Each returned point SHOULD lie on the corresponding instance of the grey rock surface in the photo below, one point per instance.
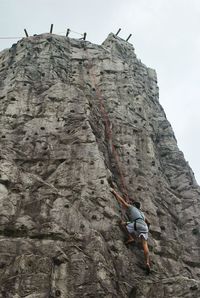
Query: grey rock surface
(74, 115)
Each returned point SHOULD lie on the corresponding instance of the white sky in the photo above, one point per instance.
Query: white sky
(166, 36)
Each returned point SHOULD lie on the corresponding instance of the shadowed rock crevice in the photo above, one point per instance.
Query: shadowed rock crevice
(73, 117)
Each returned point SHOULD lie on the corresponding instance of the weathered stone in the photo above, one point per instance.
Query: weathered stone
(73, 117)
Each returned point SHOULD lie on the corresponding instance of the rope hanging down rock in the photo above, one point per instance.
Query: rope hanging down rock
(105, 117)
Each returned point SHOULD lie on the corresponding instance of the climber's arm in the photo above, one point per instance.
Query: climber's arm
(119, 198)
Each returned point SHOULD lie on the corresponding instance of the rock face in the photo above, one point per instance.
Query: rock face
(75, 115)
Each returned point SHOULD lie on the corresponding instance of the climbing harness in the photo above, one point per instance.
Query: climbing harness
(135, 226)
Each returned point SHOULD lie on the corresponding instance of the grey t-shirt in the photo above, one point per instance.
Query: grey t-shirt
(134, 213)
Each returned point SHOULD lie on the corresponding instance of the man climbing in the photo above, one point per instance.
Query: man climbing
(137, 227)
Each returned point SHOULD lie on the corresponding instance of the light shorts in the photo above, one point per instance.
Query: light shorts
(141, 230)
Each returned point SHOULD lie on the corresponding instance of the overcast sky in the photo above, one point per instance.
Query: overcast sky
(166, 37)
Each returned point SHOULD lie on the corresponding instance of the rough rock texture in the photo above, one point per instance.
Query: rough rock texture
(73, 116)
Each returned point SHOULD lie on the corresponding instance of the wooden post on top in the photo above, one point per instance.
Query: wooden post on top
(128, 37)
(26, 32)
(84, 36)
(68, 31)
(118, 31)
(51, 29)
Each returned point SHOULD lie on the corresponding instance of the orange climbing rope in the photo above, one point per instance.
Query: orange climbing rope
(107, 125)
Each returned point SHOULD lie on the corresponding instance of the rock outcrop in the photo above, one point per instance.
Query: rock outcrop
(75, 115)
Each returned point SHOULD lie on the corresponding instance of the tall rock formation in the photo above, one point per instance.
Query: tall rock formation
(75, 115)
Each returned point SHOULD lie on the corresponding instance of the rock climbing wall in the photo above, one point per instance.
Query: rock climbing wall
(74, 116)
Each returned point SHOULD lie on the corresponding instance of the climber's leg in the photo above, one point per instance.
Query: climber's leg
(131, 239)
(131, 232)
(127, 229)
(146, 253)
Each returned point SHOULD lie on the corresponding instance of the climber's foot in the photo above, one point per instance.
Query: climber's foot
(129, 241)
(122, 222)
